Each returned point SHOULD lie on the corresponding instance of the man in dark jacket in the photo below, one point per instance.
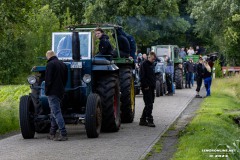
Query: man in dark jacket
(105, 48)
(169, 76)
(189, 72)
(132, 44)
(123, 45)
(147, 78)
(55, 81)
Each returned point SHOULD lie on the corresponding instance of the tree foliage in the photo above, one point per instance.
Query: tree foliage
(147, 20)
(219, 19)
(25, 35)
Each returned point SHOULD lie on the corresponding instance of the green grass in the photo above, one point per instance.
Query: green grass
(213, 125)
(9, 104)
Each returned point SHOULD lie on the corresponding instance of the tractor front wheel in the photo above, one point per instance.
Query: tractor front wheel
(26, 115)
(93, 116)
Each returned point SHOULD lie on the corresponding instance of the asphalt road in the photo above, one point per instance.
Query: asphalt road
(132, 142)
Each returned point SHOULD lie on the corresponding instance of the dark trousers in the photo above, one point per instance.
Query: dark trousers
(169, 83)
(148, 98)
(199, 83)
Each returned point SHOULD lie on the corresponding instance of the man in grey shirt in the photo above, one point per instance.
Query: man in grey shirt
(182, 53)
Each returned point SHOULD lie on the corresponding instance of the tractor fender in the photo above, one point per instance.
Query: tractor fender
(110, 67)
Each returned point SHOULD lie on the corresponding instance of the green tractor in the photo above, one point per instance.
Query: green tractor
(172, 51)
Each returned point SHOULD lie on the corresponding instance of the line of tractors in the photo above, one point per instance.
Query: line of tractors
(100, 90)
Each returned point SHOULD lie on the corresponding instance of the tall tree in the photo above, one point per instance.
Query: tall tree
(13, 17)
(39, 34)
(75, 8)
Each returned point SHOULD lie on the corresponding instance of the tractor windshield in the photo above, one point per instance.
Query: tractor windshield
(62, 45)
(162, 52)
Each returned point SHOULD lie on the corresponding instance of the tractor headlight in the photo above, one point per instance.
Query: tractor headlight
(31, 79)
(87, 78)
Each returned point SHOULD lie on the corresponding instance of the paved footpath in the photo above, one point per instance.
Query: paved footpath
(132, 142)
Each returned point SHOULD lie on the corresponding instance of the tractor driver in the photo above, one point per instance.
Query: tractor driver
(105, 47)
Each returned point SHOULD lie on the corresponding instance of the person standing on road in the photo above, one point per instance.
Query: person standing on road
(189, 73)
(105, 47)
(55, 81)
(199, 75)
(169, 76)
(148, 82)
(207, 76)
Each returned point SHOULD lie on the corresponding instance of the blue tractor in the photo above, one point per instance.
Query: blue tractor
(92, 93)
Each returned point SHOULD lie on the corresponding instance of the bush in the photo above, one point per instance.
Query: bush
(218, 69)
(9, 103)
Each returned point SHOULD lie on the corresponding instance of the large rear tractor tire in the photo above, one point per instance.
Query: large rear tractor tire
(93, 116)
(127, 95)
(108, 90)
(26, 115)
(179, 78)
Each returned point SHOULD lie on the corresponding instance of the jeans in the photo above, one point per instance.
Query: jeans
(207, 83)
(188, 79)
(192, 79)
(57, 121)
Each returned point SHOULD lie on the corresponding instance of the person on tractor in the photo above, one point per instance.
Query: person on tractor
(55, 81)
(123, 44)
(148, 82)
(182, 53)
(105, 47)
(132, 44)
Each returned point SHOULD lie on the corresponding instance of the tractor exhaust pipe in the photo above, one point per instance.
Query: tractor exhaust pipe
(75, 47)
(76, 76)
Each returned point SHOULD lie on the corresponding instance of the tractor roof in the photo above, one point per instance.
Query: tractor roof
(92, 26)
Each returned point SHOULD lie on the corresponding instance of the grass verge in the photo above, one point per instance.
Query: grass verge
(9, 103)
(213, 133)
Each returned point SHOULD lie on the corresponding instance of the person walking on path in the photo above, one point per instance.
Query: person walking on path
(55, 81)
(199, 76)
(147, 78)
(207, 76)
